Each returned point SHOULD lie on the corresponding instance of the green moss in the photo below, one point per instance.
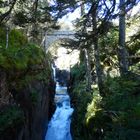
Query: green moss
(17, 38)
(21, 58)
(135, 68)
(20, 54)
(24, 64)
(44, 75)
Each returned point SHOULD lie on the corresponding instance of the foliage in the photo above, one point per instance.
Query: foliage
(94, 106)
(16, 38)
(108, 52)
(14, 58)
(35, 15)
(19, 53)
(44, 75)
(25, 65)
(80, 99)
(134, 51)
(23, 62)
(6, 8)
(78, 72)
(40, 75)
(2, 36)
(117, 115)
(28, 74)
(136, 68)
(10, 117)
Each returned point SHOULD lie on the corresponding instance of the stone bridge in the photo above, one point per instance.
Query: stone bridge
(56, 35)
(64, 60)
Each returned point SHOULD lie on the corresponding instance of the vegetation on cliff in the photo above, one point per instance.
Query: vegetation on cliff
(105, 83)
(22, 67)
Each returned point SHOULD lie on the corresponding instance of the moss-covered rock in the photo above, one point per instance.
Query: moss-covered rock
(29, 87)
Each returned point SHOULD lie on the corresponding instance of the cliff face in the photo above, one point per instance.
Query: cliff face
(26, 88)
(37, 109)
(4, 94)
(33, 102)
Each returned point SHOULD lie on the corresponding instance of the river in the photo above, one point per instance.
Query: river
(59, 125)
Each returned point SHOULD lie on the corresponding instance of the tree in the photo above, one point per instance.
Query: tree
(123, 57)
(96, 47)
(124, 7)
(94, 19)
(99, 21)
(87, 56)
(34, 16)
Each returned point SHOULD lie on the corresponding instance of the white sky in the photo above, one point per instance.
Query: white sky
(135, 9)
(69, 18)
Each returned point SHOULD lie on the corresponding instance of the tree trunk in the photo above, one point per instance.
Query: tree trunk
(122, 52)
(95, 46)
(34, 24)
(88, 68)
(99, 72)
(7, 37)
(87, 57)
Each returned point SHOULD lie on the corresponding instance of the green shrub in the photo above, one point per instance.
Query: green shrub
(20, 54)
(117, 115)
(80, 99)
(21, 58)
(78, 72)
(16, 38)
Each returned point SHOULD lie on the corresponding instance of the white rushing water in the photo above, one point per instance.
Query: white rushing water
(59, 125)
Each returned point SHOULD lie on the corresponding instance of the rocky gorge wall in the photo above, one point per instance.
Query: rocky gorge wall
(25, 107)
(26, 87)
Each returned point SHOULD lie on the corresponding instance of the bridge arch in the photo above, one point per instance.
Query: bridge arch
(57, 35)
(67, 57)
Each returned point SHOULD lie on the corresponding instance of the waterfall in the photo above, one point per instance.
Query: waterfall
(59, 125)
(54, 72)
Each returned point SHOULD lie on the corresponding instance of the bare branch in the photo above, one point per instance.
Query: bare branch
(3, 16)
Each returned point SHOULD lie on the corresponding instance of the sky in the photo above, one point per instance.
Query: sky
(69, 18)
